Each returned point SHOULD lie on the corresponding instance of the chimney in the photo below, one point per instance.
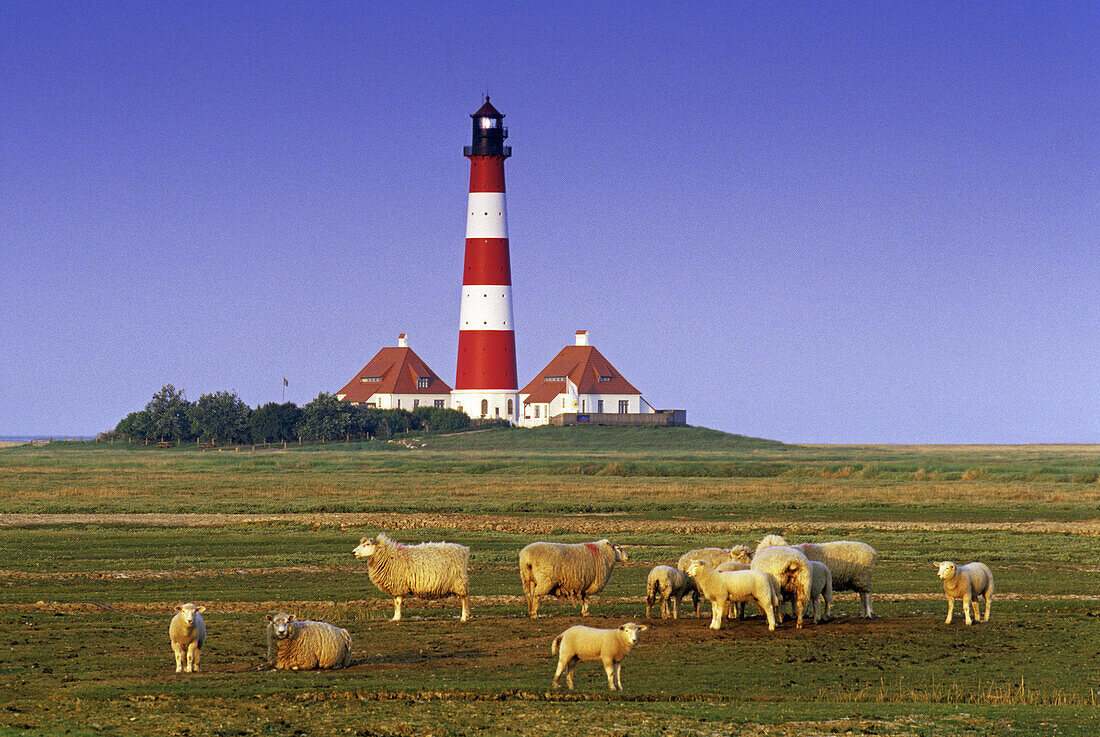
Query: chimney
(582, 337)
(402, 341)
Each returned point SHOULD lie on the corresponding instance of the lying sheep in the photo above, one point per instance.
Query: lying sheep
(714, 557)
(821, 589)
(301, 644)
(791, 571)
(737, 586)
(588, 643)
(426, 571)
(669, 585)
(566, 570)
(188, 634)
(968, 583)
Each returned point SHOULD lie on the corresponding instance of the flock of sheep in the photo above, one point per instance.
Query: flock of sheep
(775, 573)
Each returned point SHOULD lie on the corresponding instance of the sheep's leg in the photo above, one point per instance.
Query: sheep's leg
(569, 668)
(396, 609)
(177, 650)
(950, 609)
(533, 605)
(619, 675)
(648, 604)
(696, 600)
(609, 669)
(966, 607)
(675, 607)
(562, 664)
(717, 614)
(816, 603)
(799, 605)
(465, 601)
(977, 610)
(193, 658)
(865, 600)
(584, 605)
(988, 601)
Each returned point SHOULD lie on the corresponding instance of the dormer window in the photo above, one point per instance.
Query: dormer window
(554, 378)
(370, 379)
(422, 382)
(605, 378)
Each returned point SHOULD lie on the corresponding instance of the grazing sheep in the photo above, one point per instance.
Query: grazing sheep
(426, 571)
(715, 557)
(669, 584)
(851, 564)
(821, 588)
(968, 583)
(188, 634)
(738, 586)
(791, 570)
(588, 643)
(301, 644)
(737, 611)
(566, 570)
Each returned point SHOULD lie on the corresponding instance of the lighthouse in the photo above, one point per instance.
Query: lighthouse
(485, 380)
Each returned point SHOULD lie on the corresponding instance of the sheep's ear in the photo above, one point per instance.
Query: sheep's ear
(270, 618)
(643, 627)
(179, 607)
(937, 563)
(290, 617)
(363, 540)
(202, 609)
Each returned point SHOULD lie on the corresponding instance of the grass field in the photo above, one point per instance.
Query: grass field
(86, 530)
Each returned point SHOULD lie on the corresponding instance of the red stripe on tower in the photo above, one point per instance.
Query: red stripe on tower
(485, 381)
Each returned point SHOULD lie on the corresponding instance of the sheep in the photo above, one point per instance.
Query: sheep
(188, 634)
(588, 643)
(791, 570)
(426, 571)
(738, 609)
(566, 570)
(738, 586)
(301, 644)
(821, 587)
(851, 564)
(669, 584)
(967, 583)
(715, 557)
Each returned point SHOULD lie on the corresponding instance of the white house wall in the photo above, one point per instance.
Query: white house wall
(587, 404)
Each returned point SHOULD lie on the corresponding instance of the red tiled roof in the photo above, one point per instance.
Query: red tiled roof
(398, 369)
(584, 365)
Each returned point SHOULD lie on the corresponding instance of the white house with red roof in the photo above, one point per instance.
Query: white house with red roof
(397, 378)
(578, 380)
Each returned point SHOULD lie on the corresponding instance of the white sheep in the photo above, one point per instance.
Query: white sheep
(851, 564)
(588, 643)
(737, 611)
(302, 644)
(738, 586)
(567, 570)
(968, 583)
(715, 557)
(821, 589)
(791, 570)
(426, 571)
(667, 584)
(188, 634)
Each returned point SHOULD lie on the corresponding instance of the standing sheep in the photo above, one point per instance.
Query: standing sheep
(737, 611)
(188, 634)
(566, 570)
(791, 570)
(588, 643)
(426, 571)
(737, 586)
(968, 583)
(669, 585)
(714, 557)
(821, 587)
(301, 644)
(851, 564)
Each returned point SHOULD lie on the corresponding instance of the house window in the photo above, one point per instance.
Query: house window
(484, 407)
(399, 403)
(605, 378)
(536, 411)
(372, 405)
(554, 378)
(583, 402)
(624, 406)
(422, 382)
(368, 379)
(439, 403)
(496, 411)
(599, 406)
(416, 403)
(510, 405)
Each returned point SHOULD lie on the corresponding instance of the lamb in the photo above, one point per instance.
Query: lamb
(714, 557)
(588, 643)
(301, 644)
(738, 609)
(821, 588)
(669, 584)
(791, 570)
(967, 583)
(566, 570)
(188, 634)
(738, 586)
(426, 571)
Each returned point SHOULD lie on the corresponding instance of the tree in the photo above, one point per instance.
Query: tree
(221, 416)
(134, 426)
(326, 418)
(168, 415)
(274, 422)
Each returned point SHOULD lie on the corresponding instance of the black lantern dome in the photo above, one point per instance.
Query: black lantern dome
(489, 133)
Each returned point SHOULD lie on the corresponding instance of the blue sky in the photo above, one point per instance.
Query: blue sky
(815, 222)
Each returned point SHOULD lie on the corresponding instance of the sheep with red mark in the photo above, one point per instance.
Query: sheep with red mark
(567, 570)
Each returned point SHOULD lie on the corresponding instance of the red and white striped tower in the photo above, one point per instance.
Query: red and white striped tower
(485, 382)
